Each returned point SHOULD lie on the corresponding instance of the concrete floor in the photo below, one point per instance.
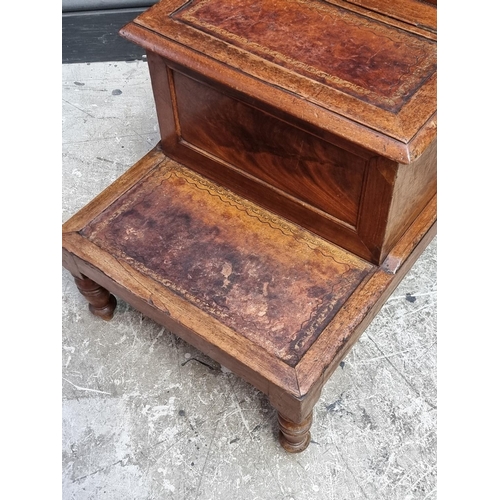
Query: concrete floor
(146, 416)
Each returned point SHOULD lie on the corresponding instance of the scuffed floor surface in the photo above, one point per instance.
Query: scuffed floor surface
(146, 416)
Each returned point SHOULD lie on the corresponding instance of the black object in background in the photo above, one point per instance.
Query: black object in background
(90, 30)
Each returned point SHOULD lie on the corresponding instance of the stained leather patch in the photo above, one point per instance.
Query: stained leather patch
(267, 279)
(379, 64)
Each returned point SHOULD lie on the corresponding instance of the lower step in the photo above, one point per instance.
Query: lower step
(272, 302)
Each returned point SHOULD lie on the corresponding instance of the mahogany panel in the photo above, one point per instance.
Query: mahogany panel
(312, 170)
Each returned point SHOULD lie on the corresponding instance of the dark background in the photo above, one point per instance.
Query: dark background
(90, 30)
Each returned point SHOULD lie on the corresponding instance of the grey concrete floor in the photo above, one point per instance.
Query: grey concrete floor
(146, 416)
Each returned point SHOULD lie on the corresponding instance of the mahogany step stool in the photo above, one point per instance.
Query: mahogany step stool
(293, 187)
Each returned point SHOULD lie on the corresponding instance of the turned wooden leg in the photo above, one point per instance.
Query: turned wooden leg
(101, 302)
(294, 437)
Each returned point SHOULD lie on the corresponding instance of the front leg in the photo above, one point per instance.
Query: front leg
(101, 302)
(294, 437)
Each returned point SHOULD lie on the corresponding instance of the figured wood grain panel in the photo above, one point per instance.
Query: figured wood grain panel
(312, 170)
(272, 282)
(374, 62)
